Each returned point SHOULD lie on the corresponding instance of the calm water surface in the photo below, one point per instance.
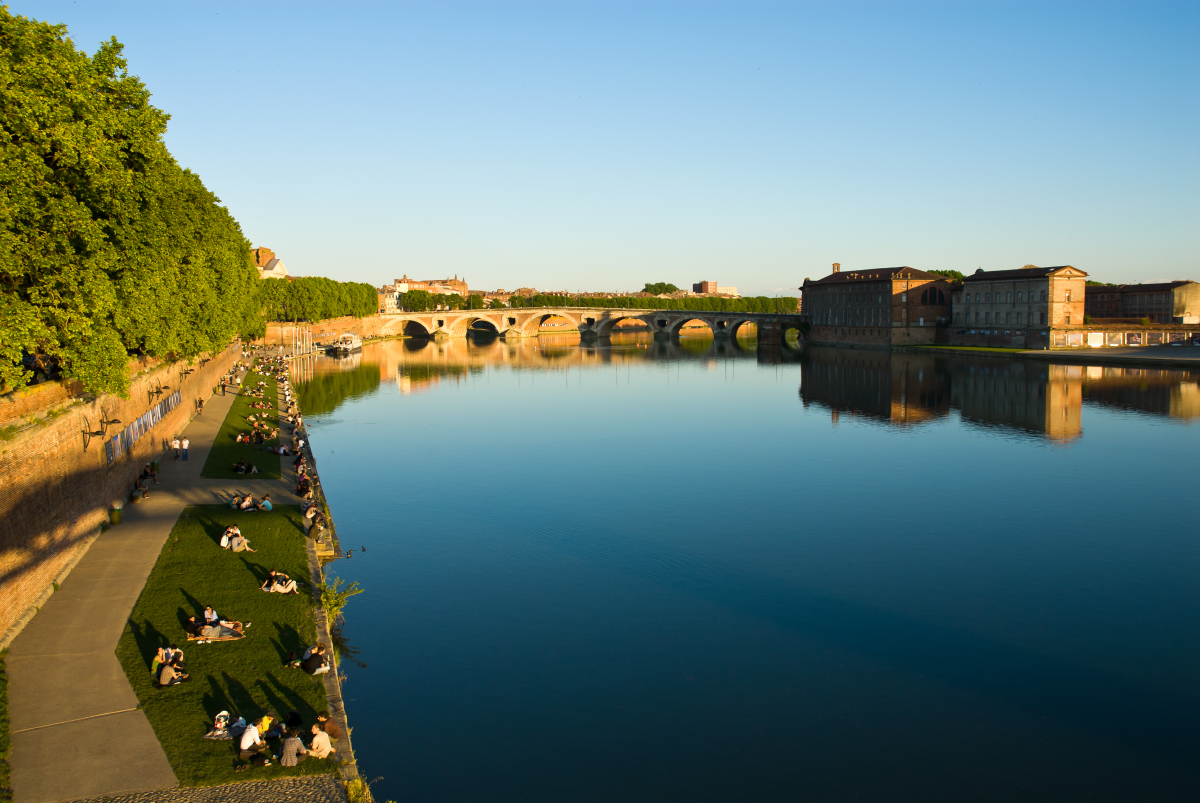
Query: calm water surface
(698, 572)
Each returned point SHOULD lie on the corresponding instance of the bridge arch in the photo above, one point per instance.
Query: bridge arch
(534, 323)
(606, 326)
(463, 323)
(676, 327)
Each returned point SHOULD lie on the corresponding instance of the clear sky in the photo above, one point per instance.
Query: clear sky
(600, 146)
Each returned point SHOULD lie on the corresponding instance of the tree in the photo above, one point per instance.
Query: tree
(950, 274)
(659, 288)
(496, 304)
(108, 248)
(475, 301)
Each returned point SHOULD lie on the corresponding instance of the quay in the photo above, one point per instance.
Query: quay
(77, 729)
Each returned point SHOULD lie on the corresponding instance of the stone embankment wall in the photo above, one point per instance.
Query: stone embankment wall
(371, 326)
(54, 493)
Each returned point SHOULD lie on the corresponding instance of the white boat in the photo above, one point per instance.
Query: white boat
(347, 344)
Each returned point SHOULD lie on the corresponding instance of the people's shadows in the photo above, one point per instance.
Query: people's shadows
(259, 571)
(197, 606)
(289, 641)
(240, 699)
(148, 640)
(216, 700)
(283, 698)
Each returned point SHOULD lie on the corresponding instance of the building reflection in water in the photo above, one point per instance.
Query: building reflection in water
(900, 389)
(1031, 396)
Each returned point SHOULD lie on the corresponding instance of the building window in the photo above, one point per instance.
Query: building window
(987, 297)
(1008, 297)
(1068, 319)
(977, 317)
(1043, 299)
(1042, 317)
(1019, 297)
(904, 296)
(1068, 297)
(958, 317)
(1006, 317)
(977, 298)
(1018, 319)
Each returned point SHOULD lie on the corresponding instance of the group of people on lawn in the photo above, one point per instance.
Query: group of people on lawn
(253, 746)
(167, 668)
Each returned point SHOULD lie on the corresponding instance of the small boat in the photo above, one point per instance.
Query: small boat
(347, 344)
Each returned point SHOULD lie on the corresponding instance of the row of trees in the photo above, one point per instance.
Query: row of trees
(108, 248)
(315, 298)
(785, 305)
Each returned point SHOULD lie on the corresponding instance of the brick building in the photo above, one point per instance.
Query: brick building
(1167, 302)
(269, 266)
(704, 287)
(1017, 308)
(882, 306)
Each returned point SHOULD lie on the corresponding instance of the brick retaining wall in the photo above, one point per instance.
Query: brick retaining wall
(54, 494)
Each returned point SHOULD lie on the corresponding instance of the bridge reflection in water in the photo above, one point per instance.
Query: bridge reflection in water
(1031, 397)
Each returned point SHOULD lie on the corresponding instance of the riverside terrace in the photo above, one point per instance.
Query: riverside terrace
(590, 321)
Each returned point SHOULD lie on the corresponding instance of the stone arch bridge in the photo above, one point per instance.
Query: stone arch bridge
(592, 322)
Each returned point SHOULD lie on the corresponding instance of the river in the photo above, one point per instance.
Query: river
(701, 572)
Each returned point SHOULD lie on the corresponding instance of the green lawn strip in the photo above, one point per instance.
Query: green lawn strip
(5, 776)
(247, 677)
(226, 451)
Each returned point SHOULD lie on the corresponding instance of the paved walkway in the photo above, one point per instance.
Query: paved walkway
(76, 729)
(322, 789)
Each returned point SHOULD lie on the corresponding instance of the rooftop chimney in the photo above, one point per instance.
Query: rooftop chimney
(837, 266)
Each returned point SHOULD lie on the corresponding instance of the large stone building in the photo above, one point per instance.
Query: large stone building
(880, 307)
(1167, 302)
(269, 266)
(1017, 308)
(445, 287)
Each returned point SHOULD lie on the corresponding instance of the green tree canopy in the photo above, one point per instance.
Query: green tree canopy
(659, 288)
(950, 274)
(315, 298)
(107, 246)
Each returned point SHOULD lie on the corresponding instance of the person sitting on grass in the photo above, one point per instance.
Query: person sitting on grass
(238, 543)
(329, 725)
(321, 746)
(247, 503)
(239, 467)
(235, 502)
(279, 583)
(316, 663)
(292, 752)
(227, 536)
(172, 674)
(160, 658)
(265, 504)
(252, 744)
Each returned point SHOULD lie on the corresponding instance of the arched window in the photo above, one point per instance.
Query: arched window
(987, 297)
(924, 296)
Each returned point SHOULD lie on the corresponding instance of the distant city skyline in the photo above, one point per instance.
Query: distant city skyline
(599, 147)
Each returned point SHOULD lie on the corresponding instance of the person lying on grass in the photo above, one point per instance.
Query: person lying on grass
(279, 583)
(219, 631)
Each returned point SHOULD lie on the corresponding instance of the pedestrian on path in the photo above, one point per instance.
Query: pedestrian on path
(175, 446)
(185, 447)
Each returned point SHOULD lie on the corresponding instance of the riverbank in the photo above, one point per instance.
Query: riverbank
(1145, 356)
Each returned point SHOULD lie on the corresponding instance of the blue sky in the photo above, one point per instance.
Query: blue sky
(599, 146)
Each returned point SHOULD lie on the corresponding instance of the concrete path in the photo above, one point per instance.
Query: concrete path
(77, 731)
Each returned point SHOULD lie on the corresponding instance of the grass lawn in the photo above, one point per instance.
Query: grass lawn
(226, 450)
(247, 677)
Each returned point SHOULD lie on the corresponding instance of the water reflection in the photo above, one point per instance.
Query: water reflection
(1029, 396)
(900, 389)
